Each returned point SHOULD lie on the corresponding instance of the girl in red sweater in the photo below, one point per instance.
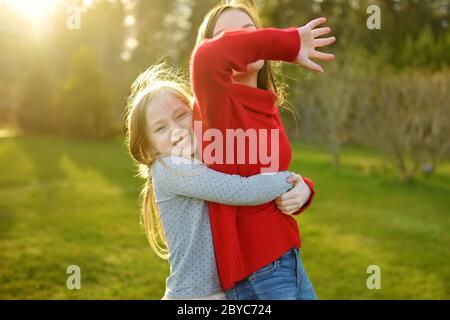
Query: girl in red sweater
(256, 247)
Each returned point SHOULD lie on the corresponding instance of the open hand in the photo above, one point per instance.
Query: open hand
(309, 43)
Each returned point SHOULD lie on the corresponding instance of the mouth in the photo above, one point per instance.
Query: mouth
(181, 140)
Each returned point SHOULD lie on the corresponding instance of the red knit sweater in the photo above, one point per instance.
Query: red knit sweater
(245, 238)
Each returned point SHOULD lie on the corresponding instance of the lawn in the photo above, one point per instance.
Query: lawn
(67, 202)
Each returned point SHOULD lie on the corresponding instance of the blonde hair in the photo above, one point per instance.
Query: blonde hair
(266, 79)
(150, 83)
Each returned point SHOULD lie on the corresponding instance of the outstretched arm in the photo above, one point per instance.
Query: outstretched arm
(213, 61)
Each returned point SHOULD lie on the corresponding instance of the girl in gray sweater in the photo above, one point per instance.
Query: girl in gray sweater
(175, 213)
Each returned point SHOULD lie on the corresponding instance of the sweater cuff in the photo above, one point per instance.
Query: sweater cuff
(308, 203)
(295, 41)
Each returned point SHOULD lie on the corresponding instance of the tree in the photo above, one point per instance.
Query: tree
(84, 104)
(406, 118)
(34, 112)
(333, 100)
(151, 32)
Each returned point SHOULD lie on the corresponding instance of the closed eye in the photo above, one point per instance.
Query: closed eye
(183, 115)
(158, 129)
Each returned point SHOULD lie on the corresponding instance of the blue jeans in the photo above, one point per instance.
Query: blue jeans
(283, 279)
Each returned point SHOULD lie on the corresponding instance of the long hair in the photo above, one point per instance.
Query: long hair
(149, 84)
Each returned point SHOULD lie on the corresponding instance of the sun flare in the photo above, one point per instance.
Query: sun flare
(35, 11)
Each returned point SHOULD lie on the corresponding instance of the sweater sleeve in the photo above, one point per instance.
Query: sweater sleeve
(213, 62)
(182, 176)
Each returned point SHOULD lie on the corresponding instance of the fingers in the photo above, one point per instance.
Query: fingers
(294, 178)
(300, 191)
(312, 66)
(322, 56)
(291, 209)
(320, 32)
(316, 22)
(323, 42)
(291, 194)
(290, 203)
(310, 42)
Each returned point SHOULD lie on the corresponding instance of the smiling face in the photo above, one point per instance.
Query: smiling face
(236, 19)
(170, 125)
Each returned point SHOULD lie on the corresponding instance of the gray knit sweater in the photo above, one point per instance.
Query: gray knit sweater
(182, 186)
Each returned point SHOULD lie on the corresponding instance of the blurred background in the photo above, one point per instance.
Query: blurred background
(372, 133)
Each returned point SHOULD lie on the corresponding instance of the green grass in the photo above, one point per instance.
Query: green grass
(67, 202)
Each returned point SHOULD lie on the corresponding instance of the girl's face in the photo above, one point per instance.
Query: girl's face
(235, 19)
(170, 125)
